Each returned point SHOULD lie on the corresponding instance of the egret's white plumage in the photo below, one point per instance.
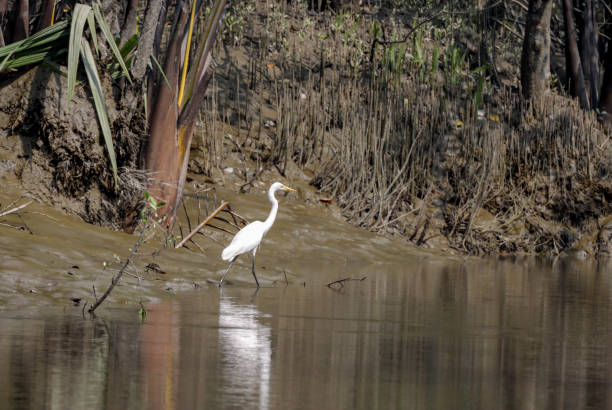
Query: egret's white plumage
(249, 237)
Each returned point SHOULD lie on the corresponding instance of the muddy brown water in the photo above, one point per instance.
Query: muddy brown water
(422, 330)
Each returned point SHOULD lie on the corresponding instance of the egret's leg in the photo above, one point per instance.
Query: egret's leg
(253, 270)
(227, 270)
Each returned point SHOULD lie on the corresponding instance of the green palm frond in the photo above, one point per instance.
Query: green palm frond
(34, 49)
(98, 95)
(50, 43)
(110, 39)
(79, 17)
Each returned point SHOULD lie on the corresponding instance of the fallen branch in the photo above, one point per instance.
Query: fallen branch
(200, 226)
(341, 281)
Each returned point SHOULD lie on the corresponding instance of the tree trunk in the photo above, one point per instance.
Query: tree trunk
(22, 22)
(605, 98)
(147, 36)
(575, 75)
(3, 18)
(589, 53)
(129, 27)
(46, 13)
(535, 59)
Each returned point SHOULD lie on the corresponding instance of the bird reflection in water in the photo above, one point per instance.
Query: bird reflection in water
(246, 353)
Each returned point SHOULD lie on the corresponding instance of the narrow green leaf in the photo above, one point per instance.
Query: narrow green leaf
(74, 44)
(96, 90)
(34, 56)
(33, 44)
(110, 40)
(6, 60)
(45, 36)
(125, 51)
(161, 70)
(92, 29)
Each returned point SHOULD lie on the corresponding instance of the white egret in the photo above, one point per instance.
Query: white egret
(248, 238)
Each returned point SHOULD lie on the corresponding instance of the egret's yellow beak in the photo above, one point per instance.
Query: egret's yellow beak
(286, 188)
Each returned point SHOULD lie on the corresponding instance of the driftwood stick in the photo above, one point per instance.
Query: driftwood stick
(12, 211)
(200, 226)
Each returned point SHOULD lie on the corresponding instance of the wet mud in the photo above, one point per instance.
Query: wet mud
(57, 260)
(57, 152)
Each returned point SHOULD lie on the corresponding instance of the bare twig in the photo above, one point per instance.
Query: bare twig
(227, 222)
(212, 238)
(25, 225)
(200, 226)
(197, 245)
(13, 210)
(186, 214)
(223, 229)
(117, 277)
(521, 4)
(341, 281)
(13, 203)
(412, 29)
(19, 228)
(38, 213)
(234, 215)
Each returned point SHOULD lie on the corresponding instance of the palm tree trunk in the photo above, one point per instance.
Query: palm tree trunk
(162, 155)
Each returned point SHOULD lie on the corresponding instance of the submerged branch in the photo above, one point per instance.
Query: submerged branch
(341, 281)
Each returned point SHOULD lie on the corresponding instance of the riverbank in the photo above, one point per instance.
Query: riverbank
(57, 260)
(421, 140)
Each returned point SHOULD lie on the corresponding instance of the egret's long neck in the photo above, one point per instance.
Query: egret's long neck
(270, 220)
